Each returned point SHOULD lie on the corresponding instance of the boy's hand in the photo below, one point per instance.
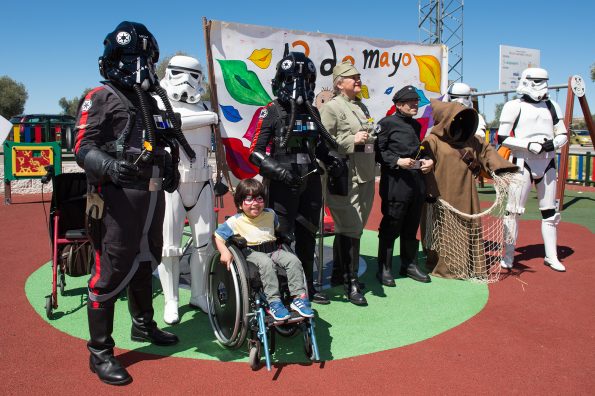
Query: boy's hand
(226, 259)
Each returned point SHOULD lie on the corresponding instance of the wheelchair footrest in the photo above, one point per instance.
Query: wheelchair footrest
(76, 234)
(295, 318)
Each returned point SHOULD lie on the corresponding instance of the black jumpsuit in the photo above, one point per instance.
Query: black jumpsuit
(305, 202)
(402, 191)
(102, 118)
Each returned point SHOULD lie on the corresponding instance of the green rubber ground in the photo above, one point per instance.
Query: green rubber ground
(395, 317)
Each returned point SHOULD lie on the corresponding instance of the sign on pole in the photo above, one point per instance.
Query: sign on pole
(243, 59)
(513, 60)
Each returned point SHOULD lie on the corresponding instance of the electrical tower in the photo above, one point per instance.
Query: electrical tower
(441, 22)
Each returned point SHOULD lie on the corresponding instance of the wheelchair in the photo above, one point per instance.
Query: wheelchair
(72, 253)
(237, 310)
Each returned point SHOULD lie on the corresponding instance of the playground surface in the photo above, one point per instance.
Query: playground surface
(529, 333)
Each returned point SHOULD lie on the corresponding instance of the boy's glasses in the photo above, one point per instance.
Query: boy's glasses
(250, 199)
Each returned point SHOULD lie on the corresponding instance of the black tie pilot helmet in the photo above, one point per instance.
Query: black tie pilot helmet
(129, 57)
(295, 79)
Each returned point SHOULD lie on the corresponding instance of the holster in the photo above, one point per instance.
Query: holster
(339, 185)
(94, 213)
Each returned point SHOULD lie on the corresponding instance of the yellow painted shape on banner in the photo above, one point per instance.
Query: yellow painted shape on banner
(262, 57)
(429, 72)
(364, 93)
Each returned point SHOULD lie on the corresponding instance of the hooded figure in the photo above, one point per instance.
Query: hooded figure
(458, 158)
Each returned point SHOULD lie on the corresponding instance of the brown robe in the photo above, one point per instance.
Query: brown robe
(451, 138)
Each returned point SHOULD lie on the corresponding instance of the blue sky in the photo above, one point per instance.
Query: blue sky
(52, 46)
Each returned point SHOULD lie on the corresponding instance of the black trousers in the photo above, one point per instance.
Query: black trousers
(401, 216)
(305, 202)
(119, 237)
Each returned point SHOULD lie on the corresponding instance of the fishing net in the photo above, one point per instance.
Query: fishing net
(471, 245)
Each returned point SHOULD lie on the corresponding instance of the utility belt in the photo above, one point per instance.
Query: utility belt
(145, 181)
(298, 158)
(265, 247)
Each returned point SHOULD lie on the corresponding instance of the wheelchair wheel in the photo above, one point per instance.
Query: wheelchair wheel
(61, 282)
(228, 301)
(254, 355)
(308, 347)
(287, 330)
(49, 307)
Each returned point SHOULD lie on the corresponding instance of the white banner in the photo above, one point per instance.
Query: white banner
(244, 58)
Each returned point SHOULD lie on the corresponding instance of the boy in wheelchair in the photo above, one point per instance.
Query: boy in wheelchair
(256, 224)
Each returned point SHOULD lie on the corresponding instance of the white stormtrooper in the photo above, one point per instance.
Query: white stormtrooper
(461, 93)
(194, 198)
(532, 128)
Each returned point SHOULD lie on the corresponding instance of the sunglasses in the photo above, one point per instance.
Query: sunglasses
(250, 199)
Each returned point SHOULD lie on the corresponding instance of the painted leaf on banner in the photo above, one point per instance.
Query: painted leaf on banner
(230, 113)
(429, 72)
(423, 100)
(424, 122)
(237, 155)
(388, 90)
(249, 135)
(242, 84)
(364, 93)
(261, 57)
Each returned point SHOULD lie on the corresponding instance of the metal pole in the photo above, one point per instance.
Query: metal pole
(321, 246)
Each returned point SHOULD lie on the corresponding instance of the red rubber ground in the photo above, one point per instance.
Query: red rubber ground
(536, 335)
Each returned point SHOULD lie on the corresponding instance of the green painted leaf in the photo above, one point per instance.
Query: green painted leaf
(242, 84)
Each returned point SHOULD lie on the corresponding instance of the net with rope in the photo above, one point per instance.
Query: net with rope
(471, 245)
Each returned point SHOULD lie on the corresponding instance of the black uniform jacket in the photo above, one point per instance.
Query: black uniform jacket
(398, 137)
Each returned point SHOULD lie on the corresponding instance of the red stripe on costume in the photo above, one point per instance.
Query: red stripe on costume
(95, 278)
(83, 120)
(258, 126)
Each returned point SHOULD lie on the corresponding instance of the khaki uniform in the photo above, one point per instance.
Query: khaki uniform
(343, 119)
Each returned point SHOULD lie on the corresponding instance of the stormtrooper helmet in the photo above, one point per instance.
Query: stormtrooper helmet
(533, 83)
(295, 79)
(129, 56)
(183, 79)
(460, 93)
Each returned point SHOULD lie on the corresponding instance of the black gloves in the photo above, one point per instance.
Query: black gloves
(171, 175)
(548, 145)
(122, 172)
(100, 167)
(290, 178)
(271, 169)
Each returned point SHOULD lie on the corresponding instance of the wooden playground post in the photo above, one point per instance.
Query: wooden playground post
(576, 86)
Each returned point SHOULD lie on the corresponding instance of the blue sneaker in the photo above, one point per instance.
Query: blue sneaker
(278, 311)
(302, 306)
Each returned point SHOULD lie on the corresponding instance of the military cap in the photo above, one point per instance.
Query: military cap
(406, 93)
(344, 69)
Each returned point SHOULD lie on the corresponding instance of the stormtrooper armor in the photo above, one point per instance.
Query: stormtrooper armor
(461, 93)
(194, 198)
(538, 132)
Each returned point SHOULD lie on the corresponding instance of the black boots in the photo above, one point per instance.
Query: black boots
(101, 345)
(350, 254)
(409, 261)
(337, 275)
(317, 297)
(144, 327)
(107, 367)
(385, 262)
